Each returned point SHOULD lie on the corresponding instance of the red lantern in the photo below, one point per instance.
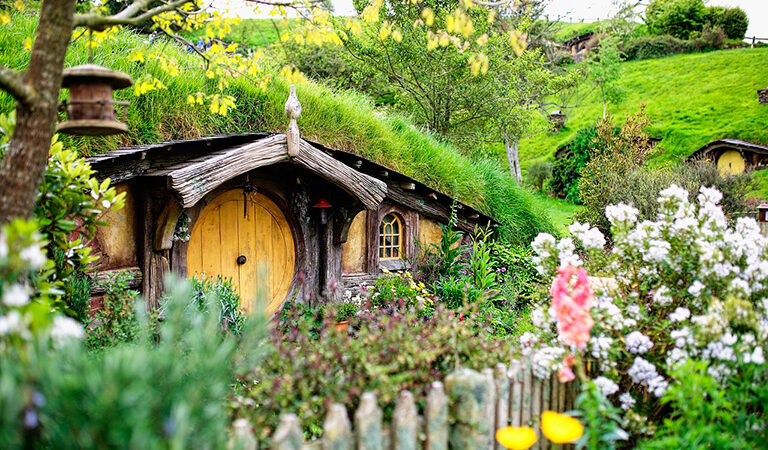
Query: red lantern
(323, 205)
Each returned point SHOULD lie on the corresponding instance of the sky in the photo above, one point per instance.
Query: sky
(571, 10)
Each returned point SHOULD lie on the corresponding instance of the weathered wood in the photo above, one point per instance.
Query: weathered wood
(502, 399)
(546, 404)
(516, 393)
(405, 422)
(432, 195)
(408, 186)
(166, 224)
(436, 418)
(242, 436)
(195, 178)
(368, 190)
(293, 111)
(561, 397)
(288, 435)
(133, 279)
(368, 427)
(337, 431)
(468, 392)
(490, 408)
(525, 415)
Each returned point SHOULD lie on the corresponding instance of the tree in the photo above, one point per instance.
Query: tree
(678, 18)
(604, 69)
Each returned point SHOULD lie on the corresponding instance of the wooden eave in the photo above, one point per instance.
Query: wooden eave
(729, 144)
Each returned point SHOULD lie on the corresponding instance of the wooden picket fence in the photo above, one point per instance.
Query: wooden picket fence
(464, 413)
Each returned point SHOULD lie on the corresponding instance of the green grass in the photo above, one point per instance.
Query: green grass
(691, 99)
(251, 33)
(343, 120)
(561, 212)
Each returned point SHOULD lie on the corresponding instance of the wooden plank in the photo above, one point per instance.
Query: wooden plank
(502, 400)
(288, 435)
(405, 422)
(367, 189)
(527, 400)
(489, 415)
(368, 427)
(468, 393)
(546, 393)
(436, 418)
(230, 215)
(516, 393)
(337, 431)
(133, 281)
(536, 404)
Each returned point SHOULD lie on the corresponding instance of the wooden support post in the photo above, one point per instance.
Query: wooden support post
(436, 418)
(525, 408)
(490, 408)
(502, 400)
(405, 422)
(368, 426)
(516, 393)
(468, 392)
(337, 431)
(288, 435)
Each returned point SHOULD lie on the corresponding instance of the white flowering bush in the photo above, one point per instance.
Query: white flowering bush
(684, 286)
(26, 295)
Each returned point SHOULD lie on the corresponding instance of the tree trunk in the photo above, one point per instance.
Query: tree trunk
(510, 144)
(25, 160)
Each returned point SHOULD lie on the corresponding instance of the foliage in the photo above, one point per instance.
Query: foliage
(207, 289)
(708, 414)
(115, 320)
(733, 21)
(602, 420)
(679, 18)
(654, 46)
(707, 39)
(342, 120)
(150, 393)
(520, 282)
(566, 171)
(401, 290)
(616, 155)
(683, 286)
(345, 311)
(538, 174)
(604, 70)
(384, 354)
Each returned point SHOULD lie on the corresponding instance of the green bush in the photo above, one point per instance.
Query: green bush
(707, 39)
(651, 47)
(538, 173)
(164, 393)
(383, 353)
(220, 289)
(115, 321)
(678, 18)
(733, 21)
(566, 171)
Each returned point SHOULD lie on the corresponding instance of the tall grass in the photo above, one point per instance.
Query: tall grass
(338, 119)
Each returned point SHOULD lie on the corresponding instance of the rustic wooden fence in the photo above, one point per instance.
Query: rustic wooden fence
(463, 413)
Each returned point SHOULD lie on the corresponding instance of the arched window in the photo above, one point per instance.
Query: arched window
(390, 238)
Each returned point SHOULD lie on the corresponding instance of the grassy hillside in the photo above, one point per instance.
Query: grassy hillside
(692, 99)
(341, 120)
(252, 33)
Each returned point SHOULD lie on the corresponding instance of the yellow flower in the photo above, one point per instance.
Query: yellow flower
(516, 438)
(560, 428)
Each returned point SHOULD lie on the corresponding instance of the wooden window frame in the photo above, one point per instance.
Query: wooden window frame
(399, 234)
(409, 221)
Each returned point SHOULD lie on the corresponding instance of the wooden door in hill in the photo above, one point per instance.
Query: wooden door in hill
(248, 241)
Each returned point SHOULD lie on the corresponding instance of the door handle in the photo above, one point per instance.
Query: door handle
(241, 260)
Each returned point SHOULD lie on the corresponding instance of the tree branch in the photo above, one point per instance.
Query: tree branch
(128, 16)
(12, 82)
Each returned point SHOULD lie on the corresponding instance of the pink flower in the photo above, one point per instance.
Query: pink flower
(565, 374)
(572, 301)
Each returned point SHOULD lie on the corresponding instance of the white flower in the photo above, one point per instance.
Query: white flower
(621, 213)
(627, 402)
(606, 386)
(674, 194)
(542, 244)
(3, 246)
(680, 314)
(756, 357)
(680, 336)
(105, 204)
(540, 318)
(33, 256)
(600, 346)
(591, 238)
(638, 343)
(662, 296)
(658, 385)
(642, 370)
(657, 251)
(65, 328)
(16, 295)
(709, 195)
(566, 250)
(545, 360)
(10, 323)
(696, 288)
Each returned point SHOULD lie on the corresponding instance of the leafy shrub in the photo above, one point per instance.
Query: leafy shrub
(566, 171)
(678, 18)
(538, 173)
(115, 321)
(345, 311)
(402, 290)
(149, 393)
(220, 289)
(520, 282)
(650, 47)
(707, 39)
(385, 354)
(684, 286)
(733, 21)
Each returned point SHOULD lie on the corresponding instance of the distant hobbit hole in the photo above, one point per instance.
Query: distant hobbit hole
(251, 244)
(390, 238)
(731, 163)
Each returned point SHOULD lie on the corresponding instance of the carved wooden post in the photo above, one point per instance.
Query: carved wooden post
(516, 392)
(368, 423)
(405, 423)
(436, 418)
(242, 436)
(502, 400)
(293, 110)
(288, 435)
(337, 431)
(469, 395)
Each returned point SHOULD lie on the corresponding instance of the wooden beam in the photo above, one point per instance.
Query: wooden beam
(133, 281)
(166, 225)
(367, 189)
(192, 180)
(408, 186)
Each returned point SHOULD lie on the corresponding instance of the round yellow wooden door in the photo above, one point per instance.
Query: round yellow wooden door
(247, 241)
(731, 163)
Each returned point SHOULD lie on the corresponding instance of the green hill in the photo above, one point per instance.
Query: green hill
(342, 120)
(691, 99)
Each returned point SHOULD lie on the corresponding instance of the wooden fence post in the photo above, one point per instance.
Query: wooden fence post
(337, 431)
(516, 392)
(405, 423)
(502, 400)
(288, 435)
(368, 423)
(468, 392)
(436, 418)
(490, 406)
(525, 415)
(242, 436)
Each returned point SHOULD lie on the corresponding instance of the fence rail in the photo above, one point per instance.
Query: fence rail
(463, 413)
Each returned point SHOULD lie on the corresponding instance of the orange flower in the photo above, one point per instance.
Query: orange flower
(560, 428)
(516, 438)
